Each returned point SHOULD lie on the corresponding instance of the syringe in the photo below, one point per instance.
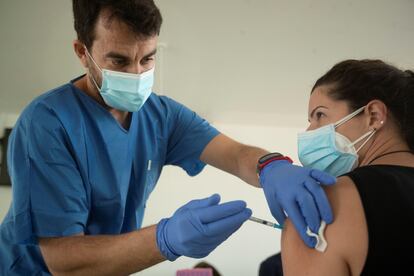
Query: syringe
(265, 222)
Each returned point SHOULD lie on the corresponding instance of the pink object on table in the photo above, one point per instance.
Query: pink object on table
(195, 272)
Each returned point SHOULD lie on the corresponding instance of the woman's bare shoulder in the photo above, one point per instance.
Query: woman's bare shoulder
(347, 238)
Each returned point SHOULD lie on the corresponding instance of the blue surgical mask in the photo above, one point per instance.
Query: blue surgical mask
(124, 91)
(327, 150)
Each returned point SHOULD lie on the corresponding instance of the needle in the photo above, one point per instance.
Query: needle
(265, 222)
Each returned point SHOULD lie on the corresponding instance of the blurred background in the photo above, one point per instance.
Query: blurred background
(247, 66)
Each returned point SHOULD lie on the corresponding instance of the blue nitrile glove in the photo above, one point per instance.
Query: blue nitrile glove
(199, 226)
(297, 191)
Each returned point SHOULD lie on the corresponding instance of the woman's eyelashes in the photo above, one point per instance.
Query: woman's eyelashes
(319, 115)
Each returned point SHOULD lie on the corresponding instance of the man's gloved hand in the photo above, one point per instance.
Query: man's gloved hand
(199, 226)
(297, 191)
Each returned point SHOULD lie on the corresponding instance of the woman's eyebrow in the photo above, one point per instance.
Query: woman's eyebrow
(313, 111)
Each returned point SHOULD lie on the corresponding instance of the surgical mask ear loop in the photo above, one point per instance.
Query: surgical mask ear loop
(369, 134)
(349, 117)
(94, 62)
(97, 66)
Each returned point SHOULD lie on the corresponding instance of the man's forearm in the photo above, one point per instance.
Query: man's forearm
(247, 162)
(233, 157)
(103, 254)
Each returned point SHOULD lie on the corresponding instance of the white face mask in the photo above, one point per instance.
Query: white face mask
(124, 91)
(327, 150)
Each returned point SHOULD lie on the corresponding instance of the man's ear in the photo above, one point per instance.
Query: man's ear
(80, 51)
(377, 114)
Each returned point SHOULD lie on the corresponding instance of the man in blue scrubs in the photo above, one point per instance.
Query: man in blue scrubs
(84, 157)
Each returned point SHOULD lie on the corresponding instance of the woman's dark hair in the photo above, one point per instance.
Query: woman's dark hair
(142, 16)
(360, 81)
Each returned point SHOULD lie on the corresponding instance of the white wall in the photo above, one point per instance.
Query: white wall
(234, 61)
(6, 120)
(5, 198)
(246, 65)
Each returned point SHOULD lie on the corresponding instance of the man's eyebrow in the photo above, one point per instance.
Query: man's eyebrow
(153, 52)
(116, 56)
(121, 56)
(313, 111)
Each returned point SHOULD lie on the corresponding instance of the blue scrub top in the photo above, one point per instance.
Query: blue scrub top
(75, 169)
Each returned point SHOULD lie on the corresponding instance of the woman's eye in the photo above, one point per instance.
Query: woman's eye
(319, 115)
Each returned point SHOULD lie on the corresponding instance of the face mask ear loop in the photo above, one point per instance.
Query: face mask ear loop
(97, 86)
(97, 66)
(349, 117)
(369, 134)
(89, 55)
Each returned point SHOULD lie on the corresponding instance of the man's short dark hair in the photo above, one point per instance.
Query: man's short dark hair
(142, 16)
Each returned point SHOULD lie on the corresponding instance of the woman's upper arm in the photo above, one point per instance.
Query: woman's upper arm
(347, 238)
